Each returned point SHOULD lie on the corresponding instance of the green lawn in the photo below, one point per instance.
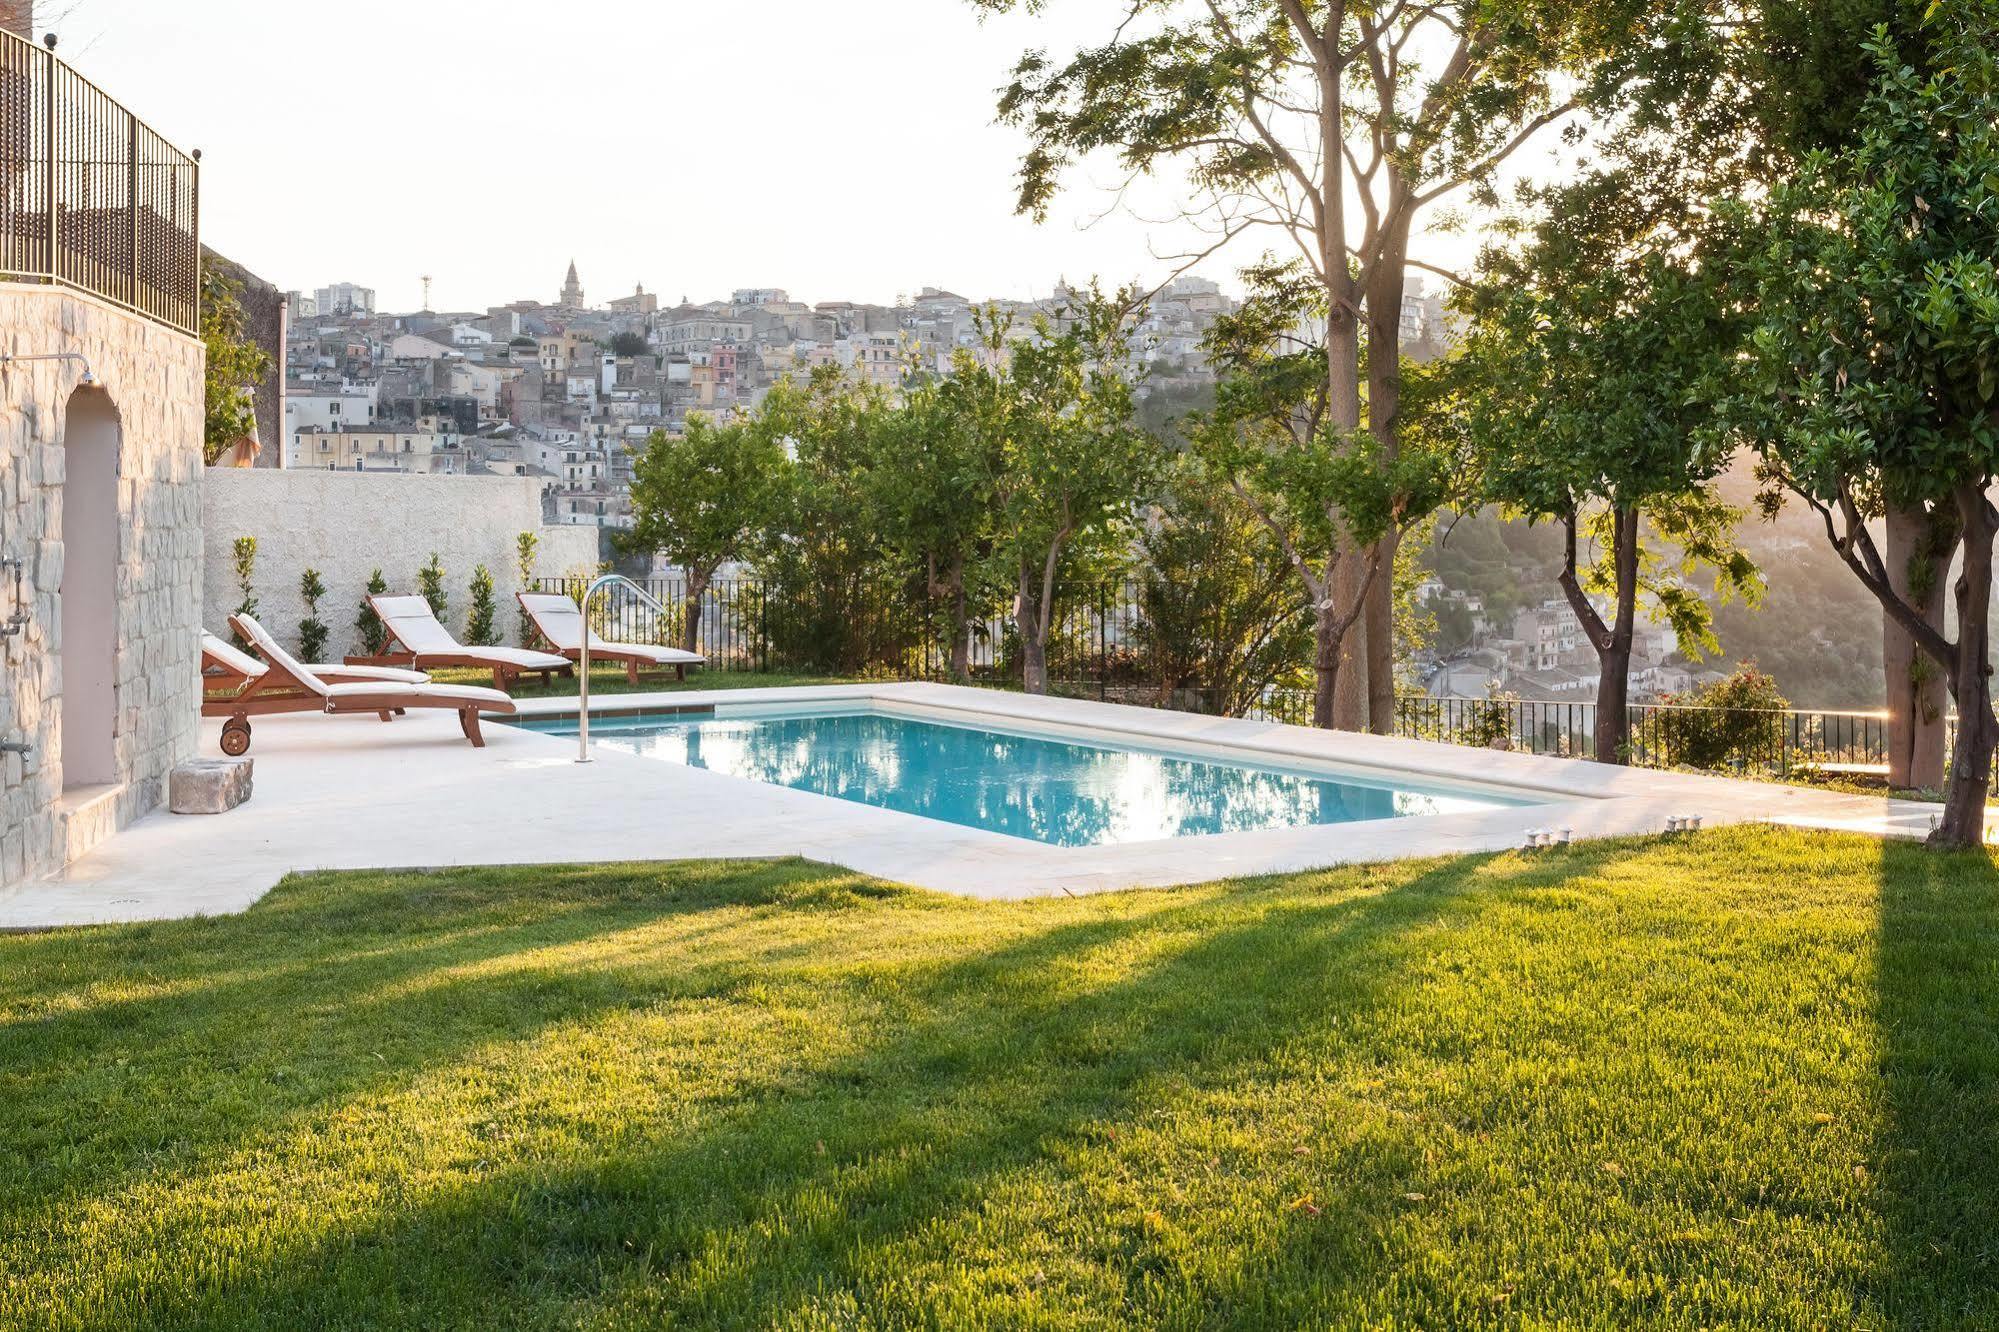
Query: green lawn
(1743, 1078)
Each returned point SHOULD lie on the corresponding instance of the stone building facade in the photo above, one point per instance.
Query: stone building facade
(100, 501)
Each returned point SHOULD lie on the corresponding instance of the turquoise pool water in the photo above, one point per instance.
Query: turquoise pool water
(1039, 787)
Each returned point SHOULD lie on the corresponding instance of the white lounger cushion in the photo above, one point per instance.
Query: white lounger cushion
(491, 699)
(333, 671)
(562, 624)
(334, 693)
(410, 620)
(222, 650)
(260, 638)
(231, 656)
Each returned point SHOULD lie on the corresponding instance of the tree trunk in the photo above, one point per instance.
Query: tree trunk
(952, 588)
(690, 613)
(1611, 734)
(1918, 551)
(1347, 708)
(1349, 696)
(961, 646)
(1963, 822)
(1384, 411)
(1326, 666)
(1379, 627)
(1027, 622)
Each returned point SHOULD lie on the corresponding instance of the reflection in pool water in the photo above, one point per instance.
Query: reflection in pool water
(1049, 790)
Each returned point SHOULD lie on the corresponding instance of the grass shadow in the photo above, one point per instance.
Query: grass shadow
(971, 1069)
(1938, 1153)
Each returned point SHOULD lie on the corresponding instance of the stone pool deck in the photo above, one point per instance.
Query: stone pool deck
(353, 793)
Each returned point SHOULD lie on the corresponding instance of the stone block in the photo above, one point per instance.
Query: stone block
(209, 786)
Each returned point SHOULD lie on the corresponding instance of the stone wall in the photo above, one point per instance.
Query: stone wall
(347, 524)
(152, 378)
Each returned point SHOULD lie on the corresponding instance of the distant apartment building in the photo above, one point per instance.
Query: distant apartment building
(420, 347)
(1550, 635)
(375, 449)
(323, 407)
(690, 329)
(344, 298)
(879, 358)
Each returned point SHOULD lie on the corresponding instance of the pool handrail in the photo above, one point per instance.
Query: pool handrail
(583, 662)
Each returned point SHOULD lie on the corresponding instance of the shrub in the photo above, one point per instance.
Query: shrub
(311, 630)
(479, 627)
(1219, 610)
(1489, 720)
(245, 551)
(374, 634)
(1729, 723)
(430, 585)
(524, 552)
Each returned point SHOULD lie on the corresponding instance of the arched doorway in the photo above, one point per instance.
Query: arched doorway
(88, 603)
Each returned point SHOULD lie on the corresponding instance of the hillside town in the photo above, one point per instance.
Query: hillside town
(569, 390)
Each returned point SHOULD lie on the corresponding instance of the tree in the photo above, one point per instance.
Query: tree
(1331, 125)
(1587, 381)
(1072, 465)
(312, 630)
(1219, 607)
(840, 596)
(430, 586)
(374, 634)
(1807, 86)
(481, 627)
(932, 471)
(699, 498)
(1336, 506)
(233, 366)
(629, 343)
(1876, 362)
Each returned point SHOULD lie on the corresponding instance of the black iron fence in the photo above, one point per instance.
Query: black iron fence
(90, 196)
(1104, 644)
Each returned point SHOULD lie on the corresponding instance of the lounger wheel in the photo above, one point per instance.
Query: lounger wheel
(236, 737)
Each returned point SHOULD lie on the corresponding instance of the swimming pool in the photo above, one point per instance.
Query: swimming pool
(1055, 789)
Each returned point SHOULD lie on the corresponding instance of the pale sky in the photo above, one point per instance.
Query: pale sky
(837, 151)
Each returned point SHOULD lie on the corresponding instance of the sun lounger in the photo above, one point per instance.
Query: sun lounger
(418, 640)
(561, 623)
(286, 685)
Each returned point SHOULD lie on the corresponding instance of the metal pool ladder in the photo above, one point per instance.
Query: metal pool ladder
(583, 665)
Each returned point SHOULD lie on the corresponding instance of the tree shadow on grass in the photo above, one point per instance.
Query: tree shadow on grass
(218, 1033)
(992, 1069)
(1939, 1040)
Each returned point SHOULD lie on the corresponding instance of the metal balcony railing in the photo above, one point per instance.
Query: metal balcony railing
(90, 196)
